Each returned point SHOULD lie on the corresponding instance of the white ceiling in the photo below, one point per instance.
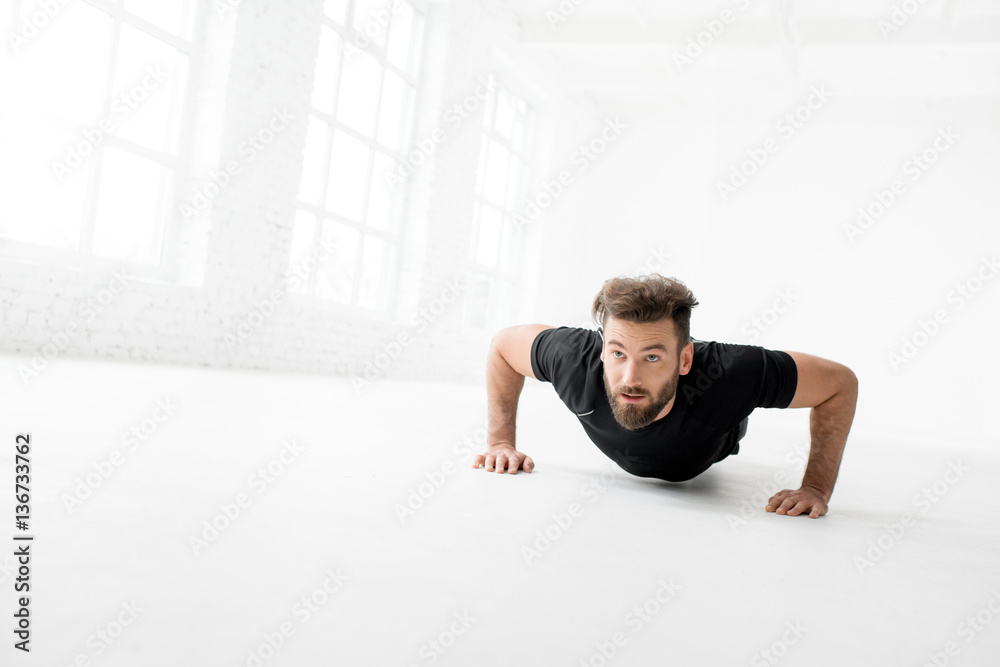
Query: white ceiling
(624, 53)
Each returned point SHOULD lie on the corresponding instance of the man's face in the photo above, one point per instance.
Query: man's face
(642, 367)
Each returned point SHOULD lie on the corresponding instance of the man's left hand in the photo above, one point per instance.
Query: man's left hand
(799, 501)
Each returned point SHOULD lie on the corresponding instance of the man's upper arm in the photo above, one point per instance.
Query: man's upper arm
(514, 345)
(819, 379)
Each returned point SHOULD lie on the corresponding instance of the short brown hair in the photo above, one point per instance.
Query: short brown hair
(648, 298)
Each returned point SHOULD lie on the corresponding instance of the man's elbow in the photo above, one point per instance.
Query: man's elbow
(848, 381)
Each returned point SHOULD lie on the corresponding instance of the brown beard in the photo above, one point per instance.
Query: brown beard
(634, 416)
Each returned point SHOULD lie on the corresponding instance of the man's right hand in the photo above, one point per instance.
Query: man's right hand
(503, 457)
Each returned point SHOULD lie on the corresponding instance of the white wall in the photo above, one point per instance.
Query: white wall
(784, 230)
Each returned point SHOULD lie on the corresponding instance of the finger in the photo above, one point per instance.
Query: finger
(775, 500)
(786, 504)
(478, 461)
(514, 462)
(501, 461)
(817, 511)
(800, 507)
(528, 464)
(490, 458)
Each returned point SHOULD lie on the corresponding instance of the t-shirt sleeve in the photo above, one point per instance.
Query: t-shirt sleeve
(564, 356)
(779, 379)
(760, 378)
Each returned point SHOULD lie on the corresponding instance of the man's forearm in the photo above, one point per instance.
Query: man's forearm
(503, 389)
(829, 424)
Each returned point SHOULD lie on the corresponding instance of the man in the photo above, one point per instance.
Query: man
(660, 403)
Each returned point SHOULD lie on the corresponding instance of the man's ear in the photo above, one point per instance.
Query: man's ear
(687, 358)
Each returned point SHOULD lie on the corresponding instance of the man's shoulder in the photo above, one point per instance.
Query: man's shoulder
(577, 339)
(722, 356)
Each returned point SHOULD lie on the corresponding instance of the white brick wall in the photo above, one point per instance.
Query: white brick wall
(232, 259)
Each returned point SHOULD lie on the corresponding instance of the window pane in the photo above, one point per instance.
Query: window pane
(371, 18)
(417, 41)
(175, 16)
(327, 69)
(43, 78)
(383, 203)
(40, 206)
(400, 37)
(514, 194)
(484, 149)
(130, 203)
(505, 112)
(150, 78)
(488, 239)
(395, 111)
(303, 242)
(335, 277)
(377, 267)
(357, 105)
(345, 190)
(496, 173)
(314, 161)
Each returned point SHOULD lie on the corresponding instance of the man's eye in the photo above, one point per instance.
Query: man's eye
(615, 352)
(655, 357)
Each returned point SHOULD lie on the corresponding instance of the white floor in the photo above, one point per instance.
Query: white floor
(642, 571)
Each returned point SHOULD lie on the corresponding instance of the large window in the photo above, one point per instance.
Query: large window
(504, 161)
(359, 128)
(90, 127)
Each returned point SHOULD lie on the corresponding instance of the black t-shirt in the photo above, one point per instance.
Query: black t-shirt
(709, 416)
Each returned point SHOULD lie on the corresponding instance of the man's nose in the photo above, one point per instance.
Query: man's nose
(630, 376)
